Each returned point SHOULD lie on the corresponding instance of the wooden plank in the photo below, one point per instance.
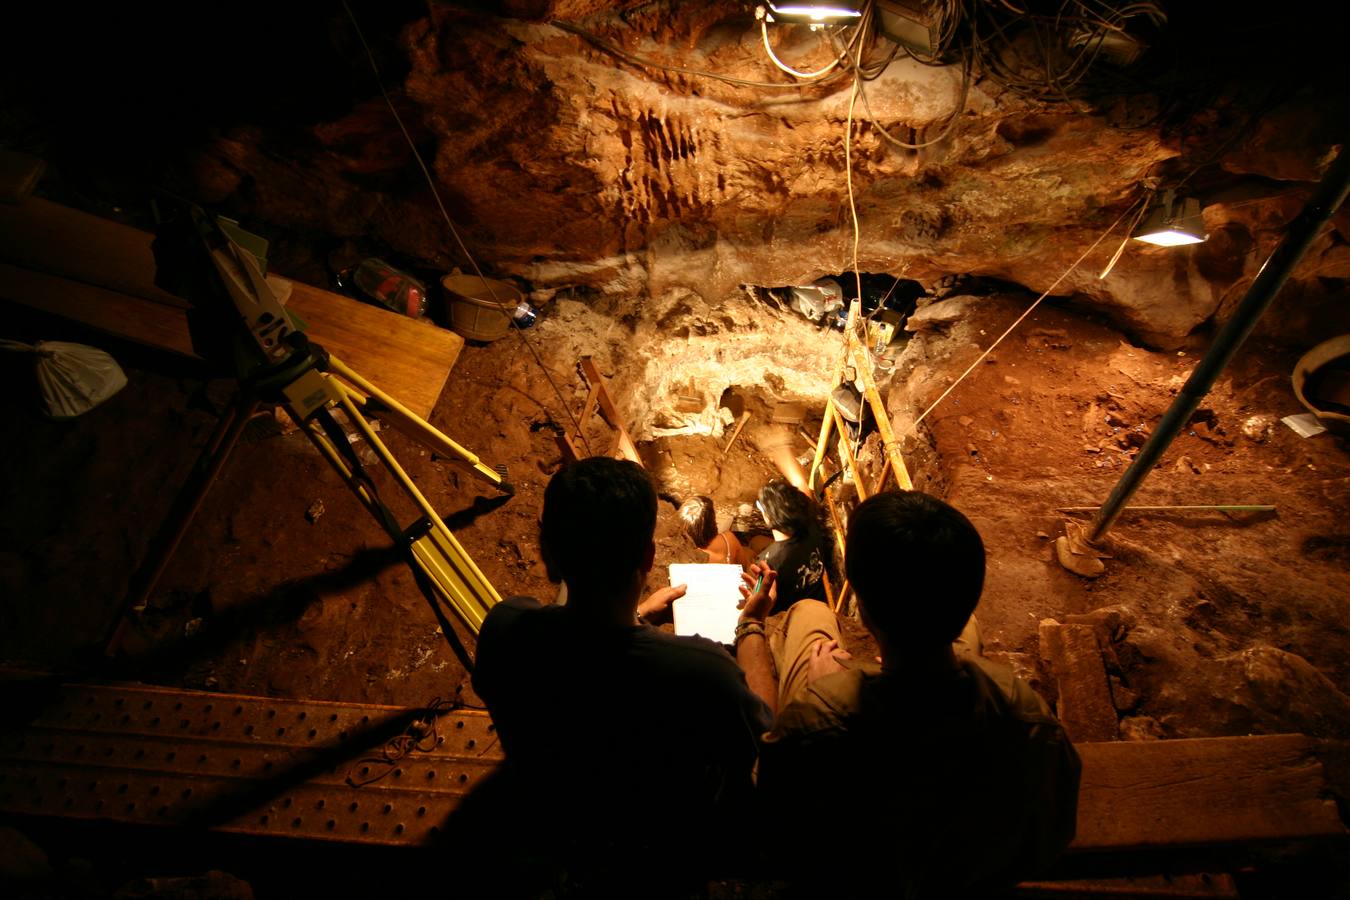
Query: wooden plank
(788, 413)
(863, 364)
(736, 432)
(1085, 708)
(410, 359)
(48, 237)
(1202, 792)
(624, 445)
(132, 318)
(102, 273)
(846, 454)
(588, 407)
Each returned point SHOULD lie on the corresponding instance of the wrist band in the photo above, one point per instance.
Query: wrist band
(747, 627)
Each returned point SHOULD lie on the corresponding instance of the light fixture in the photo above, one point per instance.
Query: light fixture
(814, 14)
(1172, 222)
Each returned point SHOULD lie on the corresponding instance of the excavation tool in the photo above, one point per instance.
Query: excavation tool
(238, 323)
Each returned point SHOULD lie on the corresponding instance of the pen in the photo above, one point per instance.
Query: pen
(759, 583)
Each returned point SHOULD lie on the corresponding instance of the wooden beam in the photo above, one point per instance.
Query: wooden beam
(624, 445)
(1202, 792)
(130, 318)
(736, 432)
(846, 454)
(1085, 708)
(862, 362)
(102, 273)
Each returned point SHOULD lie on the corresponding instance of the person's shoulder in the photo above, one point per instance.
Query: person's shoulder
(826, 705)
(693, 648)
(1014, 697)
(511, 610)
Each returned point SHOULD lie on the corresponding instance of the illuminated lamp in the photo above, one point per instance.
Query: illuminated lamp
(1172, 222)
(814, 14)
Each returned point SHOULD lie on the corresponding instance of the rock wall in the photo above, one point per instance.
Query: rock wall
(569, 167)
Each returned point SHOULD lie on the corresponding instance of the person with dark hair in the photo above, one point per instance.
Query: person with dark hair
(802, 552)
(975, 780)
(623, 743)
(699, 518)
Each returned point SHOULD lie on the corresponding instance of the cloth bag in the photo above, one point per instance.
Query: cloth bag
(73, 378)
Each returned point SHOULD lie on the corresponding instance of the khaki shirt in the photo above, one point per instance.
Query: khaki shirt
(959, 783)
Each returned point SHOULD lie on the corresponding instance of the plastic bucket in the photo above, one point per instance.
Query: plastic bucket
(1320, 380)
(480, 309)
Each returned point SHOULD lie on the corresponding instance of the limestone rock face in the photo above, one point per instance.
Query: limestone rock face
(568, 166)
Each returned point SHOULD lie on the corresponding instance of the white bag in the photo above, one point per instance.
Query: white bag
(73, 378)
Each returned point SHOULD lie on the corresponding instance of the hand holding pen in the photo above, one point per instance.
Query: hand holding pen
(756, 599)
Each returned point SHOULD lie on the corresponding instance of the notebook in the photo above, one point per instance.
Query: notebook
(710, 606)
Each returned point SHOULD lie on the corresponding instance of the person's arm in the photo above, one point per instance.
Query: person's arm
(752, 646)
(658, 600)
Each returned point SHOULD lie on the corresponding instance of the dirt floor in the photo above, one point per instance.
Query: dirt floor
(1222, 623)
(1214, 623)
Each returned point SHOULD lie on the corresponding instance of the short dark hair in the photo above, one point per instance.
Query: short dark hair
(598, 522)
(699, 517)
(917, 566)
(789, 509)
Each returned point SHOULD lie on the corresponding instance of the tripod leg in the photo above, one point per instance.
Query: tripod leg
(185, 507)
(420, 429)
(443, 570)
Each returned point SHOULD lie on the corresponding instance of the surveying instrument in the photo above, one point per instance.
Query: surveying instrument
(238, 324)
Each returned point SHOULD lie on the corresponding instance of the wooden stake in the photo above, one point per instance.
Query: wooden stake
(736, 432)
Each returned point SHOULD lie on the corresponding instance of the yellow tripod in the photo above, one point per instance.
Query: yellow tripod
(276, 363)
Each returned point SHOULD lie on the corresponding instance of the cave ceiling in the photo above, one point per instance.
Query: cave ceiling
(577, 146)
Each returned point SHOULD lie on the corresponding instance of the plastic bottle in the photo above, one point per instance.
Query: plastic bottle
(392, 289)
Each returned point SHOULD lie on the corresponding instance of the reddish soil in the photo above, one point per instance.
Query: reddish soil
(260, 600)
(1212, 623)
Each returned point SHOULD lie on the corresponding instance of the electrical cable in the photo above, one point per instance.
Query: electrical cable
(913, 427)
(419, 737)
(1129, 233)
(436, 194)
(848, 177)
(946, 131)
(764, 30)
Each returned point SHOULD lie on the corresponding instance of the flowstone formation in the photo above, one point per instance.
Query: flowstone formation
(568, 165)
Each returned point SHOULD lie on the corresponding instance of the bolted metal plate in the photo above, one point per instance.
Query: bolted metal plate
(234, 763)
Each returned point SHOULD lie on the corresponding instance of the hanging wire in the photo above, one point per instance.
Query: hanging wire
(946, 131)
(1129, 232)
(768, 48)
(436, 194)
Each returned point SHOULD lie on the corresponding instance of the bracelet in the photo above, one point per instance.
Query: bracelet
(747, 627)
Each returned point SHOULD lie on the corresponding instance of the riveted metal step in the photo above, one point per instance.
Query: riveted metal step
(256, 765)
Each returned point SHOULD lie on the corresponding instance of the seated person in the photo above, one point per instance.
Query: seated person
(627, 748)
(750, 529)
(699, 517)
(802, 552)
(972, 783)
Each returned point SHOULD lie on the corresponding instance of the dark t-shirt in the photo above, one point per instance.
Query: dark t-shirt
(622, 737)
(801, 563)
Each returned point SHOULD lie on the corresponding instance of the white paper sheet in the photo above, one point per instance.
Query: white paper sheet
(709, 607)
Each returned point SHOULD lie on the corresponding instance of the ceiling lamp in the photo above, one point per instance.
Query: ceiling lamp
(1172, 222)
(814, 14)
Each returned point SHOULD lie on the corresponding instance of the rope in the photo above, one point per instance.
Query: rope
(436, 194)
(914, 426)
